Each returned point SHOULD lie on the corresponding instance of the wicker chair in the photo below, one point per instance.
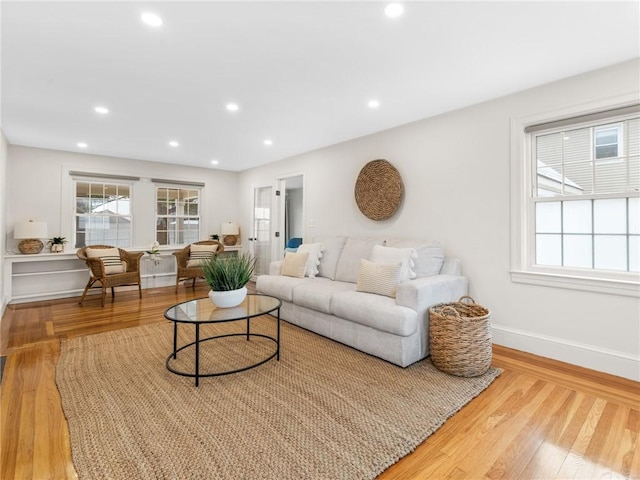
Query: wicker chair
(111, 280)
(182, 257)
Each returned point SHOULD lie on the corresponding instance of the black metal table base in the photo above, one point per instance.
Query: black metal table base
(198, 342)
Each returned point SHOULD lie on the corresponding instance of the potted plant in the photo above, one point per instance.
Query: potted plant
(227, 277)
(56, 244)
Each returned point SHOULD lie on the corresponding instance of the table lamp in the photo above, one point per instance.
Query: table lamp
(229, 232)
(30, 233)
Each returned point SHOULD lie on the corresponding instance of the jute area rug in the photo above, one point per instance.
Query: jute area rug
(324, 411)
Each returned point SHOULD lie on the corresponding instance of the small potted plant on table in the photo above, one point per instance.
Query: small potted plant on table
(227, 277)
(56, 244)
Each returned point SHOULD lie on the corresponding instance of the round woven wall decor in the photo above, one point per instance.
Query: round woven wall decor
(379, 190)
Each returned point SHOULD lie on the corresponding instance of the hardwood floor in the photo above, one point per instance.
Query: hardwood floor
(540, 419)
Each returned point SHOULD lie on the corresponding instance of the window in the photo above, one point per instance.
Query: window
(579, 202)
(177, 215)
(585, 212)
(102, 214)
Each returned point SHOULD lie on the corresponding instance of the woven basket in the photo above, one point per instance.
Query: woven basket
(460, 337)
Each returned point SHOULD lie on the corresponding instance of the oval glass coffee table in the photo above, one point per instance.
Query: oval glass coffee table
(202, 311)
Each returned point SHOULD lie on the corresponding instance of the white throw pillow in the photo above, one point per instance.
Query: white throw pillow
(430, 255)
(315, 252)
(294, 264)
(378, 278)
(198, 254)
(391, 255)
(110, 258)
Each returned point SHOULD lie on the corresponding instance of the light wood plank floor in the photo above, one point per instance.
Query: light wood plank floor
(540, 419)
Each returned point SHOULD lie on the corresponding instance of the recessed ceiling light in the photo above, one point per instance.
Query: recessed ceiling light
(373, 104)
(232, 107)
(82, 145)
(101, 110)
(173, 143)
(268, 142)
(151, 19)
(393, 10)
(214, 162)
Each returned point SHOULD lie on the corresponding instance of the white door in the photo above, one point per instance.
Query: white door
(261, 238)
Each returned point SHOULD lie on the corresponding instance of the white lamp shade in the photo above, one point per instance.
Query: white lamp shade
(30, 229)
(229, 229)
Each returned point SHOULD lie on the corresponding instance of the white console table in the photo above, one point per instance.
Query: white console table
(45, 276)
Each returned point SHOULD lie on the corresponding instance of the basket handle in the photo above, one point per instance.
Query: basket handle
(473, 302)
(450, 311)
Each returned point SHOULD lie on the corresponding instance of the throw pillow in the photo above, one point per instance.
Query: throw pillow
(430, 255)
(110, 258)
(199, 253)
(404, 256)
(378, 278)
(315, 252)
(294, 264)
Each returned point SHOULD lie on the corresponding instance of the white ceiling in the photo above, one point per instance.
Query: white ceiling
(301, 72)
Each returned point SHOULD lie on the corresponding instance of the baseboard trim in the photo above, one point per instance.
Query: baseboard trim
(605, 360)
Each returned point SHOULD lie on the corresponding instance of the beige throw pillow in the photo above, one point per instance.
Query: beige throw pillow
(199, 253)
(381, 279)
(110, 258)
(294, 264)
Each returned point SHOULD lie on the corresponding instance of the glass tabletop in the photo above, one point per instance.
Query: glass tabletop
(203, 310)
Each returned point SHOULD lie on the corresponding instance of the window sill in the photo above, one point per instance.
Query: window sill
(627, 288)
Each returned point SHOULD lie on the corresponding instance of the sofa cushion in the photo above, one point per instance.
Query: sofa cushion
(392, 255)
(278, 286)
(378, 278)
(294, 264)
(375, 311)
(332, 250)
(430, 255)
(354, 250)
(316, 294)
(315, 253)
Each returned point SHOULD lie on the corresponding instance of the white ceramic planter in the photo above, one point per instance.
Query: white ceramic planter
(232, 298)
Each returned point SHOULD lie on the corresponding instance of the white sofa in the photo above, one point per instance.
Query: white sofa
(394, 329)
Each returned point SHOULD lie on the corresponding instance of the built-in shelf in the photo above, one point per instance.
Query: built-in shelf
(45, 276)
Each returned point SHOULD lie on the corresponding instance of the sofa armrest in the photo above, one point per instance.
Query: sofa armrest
(275, 267)
(422, 293)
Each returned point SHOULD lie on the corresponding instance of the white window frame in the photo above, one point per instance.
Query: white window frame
(523, 268)
(81, 177)
(158, 184)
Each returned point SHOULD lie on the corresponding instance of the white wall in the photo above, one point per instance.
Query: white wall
(3, 214)
(456, 172)
(39, 187)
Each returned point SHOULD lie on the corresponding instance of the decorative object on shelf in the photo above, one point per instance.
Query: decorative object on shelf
(227, 278)
(215, 237)
(230, 233)
(56, 244)
(379, 190)
(30, 233)
(154, 253)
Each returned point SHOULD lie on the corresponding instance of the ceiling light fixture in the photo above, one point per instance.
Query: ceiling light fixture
(151, 19)
(101, 110)
(82, 145)
(173, 143)
(373, 104)
(393, 10)
(214, 162)
(232, 107)
(268, 142)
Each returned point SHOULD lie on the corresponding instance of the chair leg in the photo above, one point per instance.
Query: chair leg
(140, 290)
(193, 285)
(86, 289)
(104, 293)
(113, 294)
(177, 283)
